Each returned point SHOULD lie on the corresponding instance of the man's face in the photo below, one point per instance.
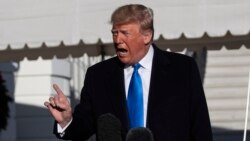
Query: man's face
(131, 45)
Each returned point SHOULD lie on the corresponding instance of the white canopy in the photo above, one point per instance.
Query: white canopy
(33, 24)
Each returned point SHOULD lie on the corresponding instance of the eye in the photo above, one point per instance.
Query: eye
(126, 33)
(114, 32)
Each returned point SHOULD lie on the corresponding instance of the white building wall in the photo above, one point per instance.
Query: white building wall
(225, 85)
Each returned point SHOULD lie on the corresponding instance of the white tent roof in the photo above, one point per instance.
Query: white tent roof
(31, 23)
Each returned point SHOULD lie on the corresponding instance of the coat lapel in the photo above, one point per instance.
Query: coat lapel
(160, 71)
(116, 92)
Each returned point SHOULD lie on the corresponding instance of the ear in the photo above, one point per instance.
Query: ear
(147, 36)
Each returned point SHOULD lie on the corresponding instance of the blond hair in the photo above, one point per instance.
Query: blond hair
(134, 13)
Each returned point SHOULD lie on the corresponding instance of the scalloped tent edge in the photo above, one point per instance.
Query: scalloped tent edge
(228, 41)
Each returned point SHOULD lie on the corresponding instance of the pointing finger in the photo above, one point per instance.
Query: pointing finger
(58, 90)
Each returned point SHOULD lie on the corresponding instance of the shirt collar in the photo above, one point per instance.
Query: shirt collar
(146, 61)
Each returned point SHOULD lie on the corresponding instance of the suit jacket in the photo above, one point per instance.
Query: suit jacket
(177, 109)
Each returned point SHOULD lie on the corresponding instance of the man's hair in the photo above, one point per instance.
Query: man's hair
(134, 13)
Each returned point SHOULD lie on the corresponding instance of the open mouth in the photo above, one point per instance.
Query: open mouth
(121, 51)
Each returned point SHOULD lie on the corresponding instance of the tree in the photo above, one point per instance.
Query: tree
(4, 108)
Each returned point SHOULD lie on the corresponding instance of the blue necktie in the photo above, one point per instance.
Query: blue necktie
(135, 99)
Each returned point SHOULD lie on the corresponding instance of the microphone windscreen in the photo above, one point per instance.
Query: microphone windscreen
(108, 128)
(139, 134)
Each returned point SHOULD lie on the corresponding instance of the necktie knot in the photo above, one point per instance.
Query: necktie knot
(136, 66)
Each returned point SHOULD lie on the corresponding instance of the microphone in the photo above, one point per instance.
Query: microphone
(108, 128)
(139, 134)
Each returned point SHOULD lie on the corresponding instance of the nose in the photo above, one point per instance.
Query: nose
(117, 38)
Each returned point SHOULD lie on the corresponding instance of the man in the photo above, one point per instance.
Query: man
(174, 105)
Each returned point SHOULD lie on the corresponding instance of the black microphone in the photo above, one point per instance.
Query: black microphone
(108, 128)
(139, 134)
